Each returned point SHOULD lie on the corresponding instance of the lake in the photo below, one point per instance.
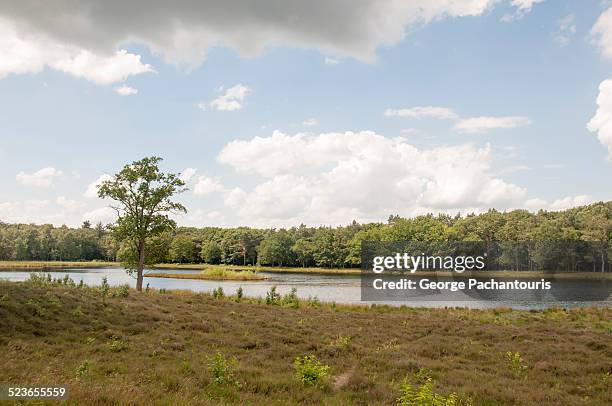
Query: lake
(343, 288)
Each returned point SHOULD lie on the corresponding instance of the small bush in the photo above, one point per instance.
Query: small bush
(122, 291)
(310, 371)
(424, 395)
(516, 363)
(291, 299)
(77, 312)
(272, 297)
(82, 369)
(221, 369)
(104, 288)
(342, 343)
(218, 293)
(239, 293)
(116, 345)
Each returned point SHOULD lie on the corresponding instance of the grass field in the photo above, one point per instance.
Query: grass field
(116, 346)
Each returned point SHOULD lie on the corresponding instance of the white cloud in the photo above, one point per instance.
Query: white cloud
(570, 201)
(68, 204)
(92, 188)
(126, 90)
(42, 178)
(183, 32)
(566, 29)
(311, 122)
(331, 61)
(480, 125)
(232, 99)
(187, 174)
(105, 215)
(522, 7)
(206, 185)
(601, 123)
(333, 178)
(423, 111)
(602, 32)
(29, 52)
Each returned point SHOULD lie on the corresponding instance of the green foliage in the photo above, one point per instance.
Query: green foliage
(222, 369)
(211, 252)
(182, 249)
(82, 369)
(310, 371)
(122, 291)
(272, 297)
(423, 395)
(341, 342)
(239, 293)
(77, 312)
(104, 287)
(117, 345)
(291, 299)
(515, 363)
(218, 293)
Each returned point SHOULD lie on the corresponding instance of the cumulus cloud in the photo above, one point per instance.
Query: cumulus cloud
(126, 90)
(206, 185)
(602, 33)
(570, 201)
(104, 215)
(232, 99)
(333, 178)
(331, 61)
(426, 111)
(480, 125)
(42, 178)
(183, 32)
(92, 188)
(30, 51)
(601, 123)
(187, 174)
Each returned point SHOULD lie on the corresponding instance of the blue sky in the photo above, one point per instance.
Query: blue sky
(491, 100)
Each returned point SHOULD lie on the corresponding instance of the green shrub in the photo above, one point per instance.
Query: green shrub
(218, 293)
(310, 371)
(82, 369)
(122, 291)
(424, 395)
(104, 288)
(341, 342)
(239, 293)
(272, 297)
(116, 345)
(516, 363)
(221, 369)
(77, 312)
(291, 299)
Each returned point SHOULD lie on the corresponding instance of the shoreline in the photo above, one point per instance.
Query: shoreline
(59, 265)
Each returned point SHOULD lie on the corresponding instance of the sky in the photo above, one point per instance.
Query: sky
(283, 112)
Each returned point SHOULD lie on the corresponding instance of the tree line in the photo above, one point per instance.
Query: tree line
(304, 246)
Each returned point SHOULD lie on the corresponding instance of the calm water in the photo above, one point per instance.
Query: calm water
(343, 288)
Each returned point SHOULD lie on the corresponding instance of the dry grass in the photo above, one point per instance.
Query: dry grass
(47, 265)
(156, 348)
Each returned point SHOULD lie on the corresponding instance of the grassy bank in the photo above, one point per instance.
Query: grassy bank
(50, 265)
(216, 274)
(55, 265)
(116, 346)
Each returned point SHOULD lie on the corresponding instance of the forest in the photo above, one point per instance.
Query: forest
(337, 247)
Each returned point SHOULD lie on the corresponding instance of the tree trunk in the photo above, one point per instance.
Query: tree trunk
(140, 269)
